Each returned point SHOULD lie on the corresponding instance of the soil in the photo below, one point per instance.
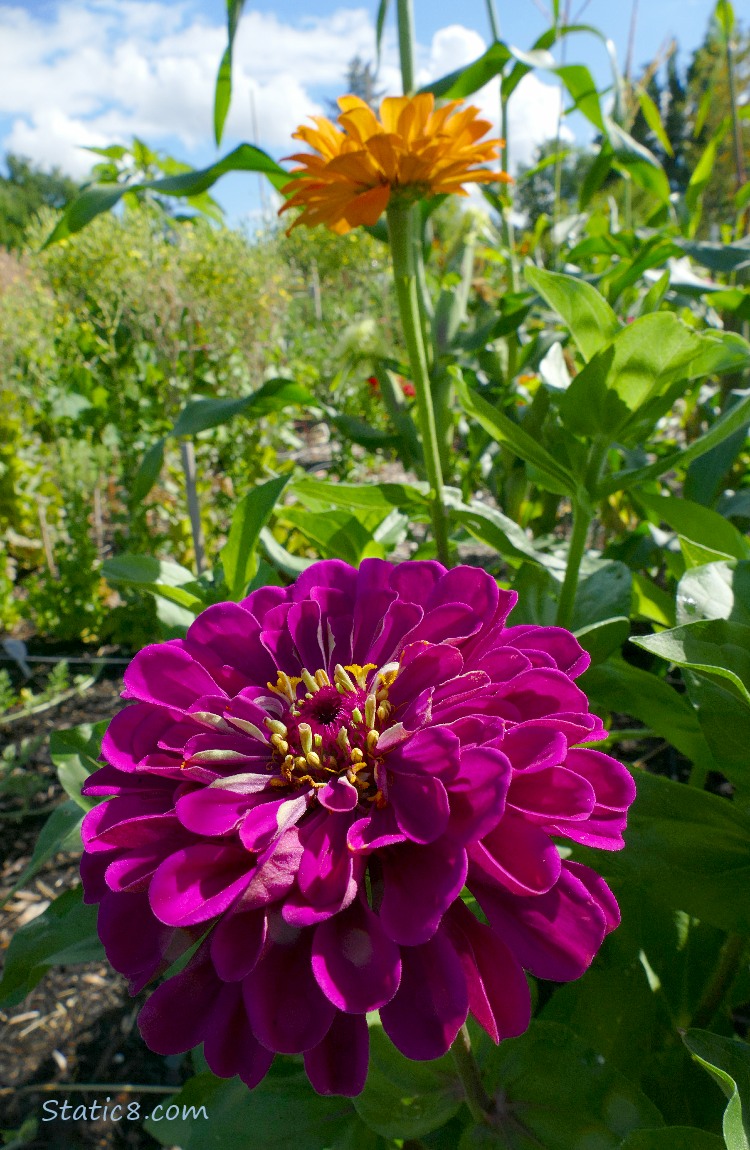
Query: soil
(77, 1026)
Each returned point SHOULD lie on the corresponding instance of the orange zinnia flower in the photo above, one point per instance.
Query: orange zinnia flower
(414, 150)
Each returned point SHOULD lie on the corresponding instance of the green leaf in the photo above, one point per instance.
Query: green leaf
(504, 430)
(238, 555)
(602, 638)
(147, 474)
(637, 367)
(584, 311)
(559, 1094)
(604, 594)
(61, 832)
(375, 496)
(283, 560)
(144, 569)
(64, 935)
(725, 722)
(715, 647)
(281, 1111)
(616, 686)
(274, 395)
(223, 94)
(93, 201)
(715, 591)
(697, 523)
(653, 118)
(672, 1138)
(379, 27)
(490, 526)
(724, 426)
(687, 847)
(162, 579)
(75, 753)
(584, 92)
(335, 534)
(464, 81)
(724, 258)
(640, 164)
(405, 1099)
(727, 1060)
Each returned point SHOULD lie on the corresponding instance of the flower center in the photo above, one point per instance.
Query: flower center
(332, 729)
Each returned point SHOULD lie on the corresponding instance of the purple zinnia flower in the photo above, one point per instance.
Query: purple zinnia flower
(304, 787)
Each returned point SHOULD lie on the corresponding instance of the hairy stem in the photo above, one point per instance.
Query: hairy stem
(400, 232)
(406, 44)
(581, 522)
(722, 977)
(477, 1099)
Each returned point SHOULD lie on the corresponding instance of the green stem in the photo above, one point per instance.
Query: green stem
(400, 231)
(494, 22)
(477, 1099)
(722, 977)
(581, 522)
(406, 44)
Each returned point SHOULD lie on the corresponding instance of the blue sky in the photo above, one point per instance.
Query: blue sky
(77, 72)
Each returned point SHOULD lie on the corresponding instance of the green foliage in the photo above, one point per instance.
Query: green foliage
(24, 191)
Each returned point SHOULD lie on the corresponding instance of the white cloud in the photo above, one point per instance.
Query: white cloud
(92, 72)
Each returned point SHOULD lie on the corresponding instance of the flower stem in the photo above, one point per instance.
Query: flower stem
(722, 977)
(400, 231)
(477, 1099)
(406, 44)
(581, 522)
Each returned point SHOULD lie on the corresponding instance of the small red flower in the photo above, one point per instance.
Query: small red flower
(372, 383)
(408, 389)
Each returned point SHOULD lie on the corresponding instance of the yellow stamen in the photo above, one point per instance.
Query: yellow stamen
(342, 680)
(309, 682)
(370, 706)
(276, 727)
(372, 740)
(356, 715)
(305, 737)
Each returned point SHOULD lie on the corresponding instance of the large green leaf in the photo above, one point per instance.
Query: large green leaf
(239, 554)
(337, 534)
(491, 526)
(639, 365)
(584, 311)
(715, 591)
(64, 935)
(714, 647)
(727, 1060)
(405, 1099)
(281, 1111)
(505, 431)
(605, 594)
(687, 847)
(582, 88)
(374, 496)
(165, 580)
(559, 1094)
(618, 687)
(697, 523)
